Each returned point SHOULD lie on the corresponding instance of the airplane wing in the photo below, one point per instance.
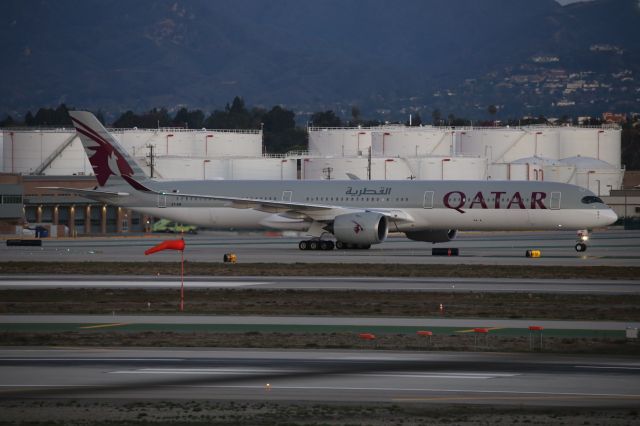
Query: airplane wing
(89, 193)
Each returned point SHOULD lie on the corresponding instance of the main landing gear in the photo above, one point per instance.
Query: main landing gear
(583, 237)
(329, 245)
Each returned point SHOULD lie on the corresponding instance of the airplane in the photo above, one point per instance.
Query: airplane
(354, 213)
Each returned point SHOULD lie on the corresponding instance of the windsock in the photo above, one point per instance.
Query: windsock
(167, 245)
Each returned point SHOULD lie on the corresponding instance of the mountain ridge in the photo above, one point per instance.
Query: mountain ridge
(387, 57)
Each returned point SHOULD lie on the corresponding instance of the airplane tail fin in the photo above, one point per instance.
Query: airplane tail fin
(106, 155)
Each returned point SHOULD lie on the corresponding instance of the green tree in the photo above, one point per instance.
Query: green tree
(29, 120)
(326, 119)
(416, 120)
(127, 120)
(8, 122)
(189, 119)
(436, 117)
(278, 120)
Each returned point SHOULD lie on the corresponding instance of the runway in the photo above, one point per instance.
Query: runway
(496, 285)
(606, 247)
(344, 376)
(117, 322)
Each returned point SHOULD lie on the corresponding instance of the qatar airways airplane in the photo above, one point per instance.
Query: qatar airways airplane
(354, 213)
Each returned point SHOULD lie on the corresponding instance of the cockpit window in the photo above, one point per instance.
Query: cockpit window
(590, 199)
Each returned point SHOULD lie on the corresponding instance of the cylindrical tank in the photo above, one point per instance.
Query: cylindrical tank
(560, 173)
(452, 168)
(24, 151)
(503, 145)
(412, 142)
(187, 168)
(190, 143)
(74, 156)
(530, 168)
(596, 175)
(599, 143)
(262, 168)
(315, 168)
(348, 142)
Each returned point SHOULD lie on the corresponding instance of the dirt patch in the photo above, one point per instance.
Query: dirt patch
(324, 302)
(121, 412)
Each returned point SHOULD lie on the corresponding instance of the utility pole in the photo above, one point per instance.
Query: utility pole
(369, 165)
(151, 158)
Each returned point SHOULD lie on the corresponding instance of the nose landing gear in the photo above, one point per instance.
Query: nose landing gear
(583, 237)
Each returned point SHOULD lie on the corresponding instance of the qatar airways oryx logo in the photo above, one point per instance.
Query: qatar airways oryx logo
(458, 200)
(105, 160)
(357, 228)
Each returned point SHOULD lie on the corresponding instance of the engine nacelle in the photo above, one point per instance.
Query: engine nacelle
(433, 236)
(360, 228)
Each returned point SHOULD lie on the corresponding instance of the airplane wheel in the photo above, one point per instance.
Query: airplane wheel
(303, 245)
(581, 247)
(364, 246)
(326, 245)
(331, 245)
(313, 245)
(340, 245)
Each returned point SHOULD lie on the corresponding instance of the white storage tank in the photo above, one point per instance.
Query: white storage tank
(25, 151)
(347, 142)
(530, 168)
(317, 168)
(599, 143)
(186, 168)
(74, 155)
(412, 142)
(262, 168)
(564, 173)
(191, 143)
(503, 145)
(596, 175)
(452, 168)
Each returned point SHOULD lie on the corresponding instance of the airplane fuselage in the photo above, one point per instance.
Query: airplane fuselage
(416, 205)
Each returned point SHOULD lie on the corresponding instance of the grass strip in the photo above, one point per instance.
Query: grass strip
(293, 329)
(320, 269)
(334, 340)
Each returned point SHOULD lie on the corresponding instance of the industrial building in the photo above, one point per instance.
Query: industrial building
(585, 156)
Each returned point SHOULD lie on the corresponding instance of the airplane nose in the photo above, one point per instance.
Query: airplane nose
(608, 217)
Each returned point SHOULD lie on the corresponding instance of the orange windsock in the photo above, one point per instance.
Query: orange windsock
(167, 245)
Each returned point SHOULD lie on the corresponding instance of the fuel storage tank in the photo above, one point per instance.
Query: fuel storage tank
(344, 142)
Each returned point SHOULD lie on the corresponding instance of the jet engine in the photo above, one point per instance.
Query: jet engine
(433, 236)
(360, 228)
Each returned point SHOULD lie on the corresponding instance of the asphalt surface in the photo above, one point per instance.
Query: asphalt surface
(606, 247)
(497, 285)
(122, 320)
(344, 376)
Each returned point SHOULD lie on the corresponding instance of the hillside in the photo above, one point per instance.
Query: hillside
(389, 57)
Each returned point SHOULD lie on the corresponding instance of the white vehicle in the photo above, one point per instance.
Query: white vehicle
(354, 213)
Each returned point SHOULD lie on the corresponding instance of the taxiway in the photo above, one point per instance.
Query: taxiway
(345, 376)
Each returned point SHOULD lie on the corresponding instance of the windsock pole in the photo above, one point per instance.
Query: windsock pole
(181, 280)
(173, 245)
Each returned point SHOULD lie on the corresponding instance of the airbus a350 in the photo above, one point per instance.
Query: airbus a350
(334, 213)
